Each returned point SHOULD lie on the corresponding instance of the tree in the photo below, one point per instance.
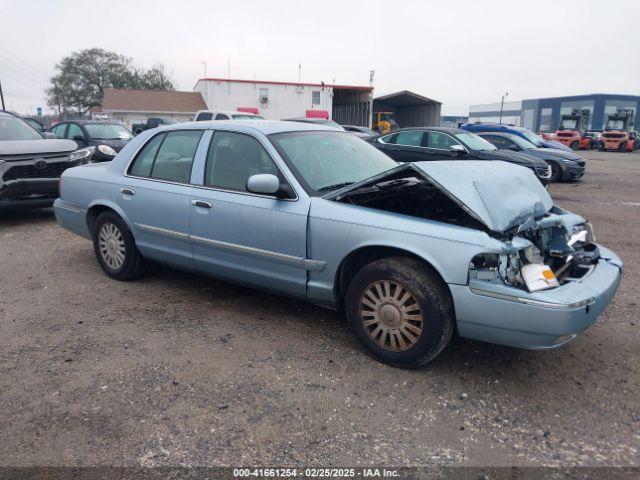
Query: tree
(81, 78)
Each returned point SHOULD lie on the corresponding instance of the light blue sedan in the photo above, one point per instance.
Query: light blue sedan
(414, 253)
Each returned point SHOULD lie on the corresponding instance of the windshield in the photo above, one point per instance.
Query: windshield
(474, 142)
(247, 117)
(615, 124)
(532, 137)
(108, 131)
(521, 142)
(12, 128)
(326, 161)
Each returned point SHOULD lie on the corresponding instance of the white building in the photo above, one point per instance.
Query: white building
(281, 100)
(490, 113)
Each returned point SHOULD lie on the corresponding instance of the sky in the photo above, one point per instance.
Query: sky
(459, 52)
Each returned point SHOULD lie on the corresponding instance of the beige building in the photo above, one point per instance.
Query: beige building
(136, 106)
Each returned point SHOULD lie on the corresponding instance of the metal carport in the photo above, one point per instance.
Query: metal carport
(410, 109)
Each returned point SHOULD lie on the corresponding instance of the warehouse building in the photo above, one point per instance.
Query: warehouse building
(544, 114)
(409, 109)
(345, 104)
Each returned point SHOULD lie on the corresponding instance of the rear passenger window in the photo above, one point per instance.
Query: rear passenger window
(175, 156)
(144, 161)
(204, 116)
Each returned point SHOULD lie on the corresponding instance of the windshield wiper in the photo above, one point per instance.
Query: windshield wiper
(335, 186)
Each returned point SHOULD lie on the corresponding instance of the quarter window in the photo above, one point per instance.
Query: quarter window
(144, 161)
(233, 158)
(222, 116)
(440, 140)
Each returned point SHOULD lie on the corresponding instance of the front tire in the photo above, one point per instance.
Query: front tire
(575, 145)
(115, 248)
(401, 311)
(556, 172)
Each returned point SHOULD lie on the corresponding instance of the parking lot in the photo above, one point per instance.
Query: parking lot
(176, 369)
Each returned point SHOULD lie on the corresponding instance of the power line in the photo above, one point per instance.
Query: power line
(16, 69)
(20, 61)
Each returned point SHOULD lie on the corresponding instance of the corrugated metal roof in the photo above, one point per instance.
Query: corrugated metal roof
(293, 84)
(405, 98)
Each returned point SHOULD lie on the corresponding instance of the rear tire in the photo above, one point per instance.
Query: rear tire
(401, 311)
(575, 145)
(115, 248)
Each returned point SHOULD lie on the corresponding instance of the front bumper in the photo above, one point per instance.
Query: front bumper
(572, 171)
(540, 320)
(32, 192)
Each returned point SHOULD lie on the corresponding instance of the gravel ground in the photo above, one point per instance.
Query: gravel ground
(176, 369)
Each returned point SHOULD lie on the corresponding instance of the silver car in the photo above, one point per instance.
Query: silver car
(413, 252)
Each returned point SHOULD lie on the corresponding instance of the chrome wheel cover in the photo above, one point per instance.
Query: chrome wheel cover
(391, 315)
(111, 245)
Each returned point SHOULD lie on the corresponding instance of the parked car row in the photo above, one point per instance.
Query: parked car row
(412, 251)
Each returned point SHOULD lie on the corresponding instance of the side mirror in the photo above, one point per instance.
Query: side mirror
(457, 150)
(263, 183)
(49, 135)
(78, 138)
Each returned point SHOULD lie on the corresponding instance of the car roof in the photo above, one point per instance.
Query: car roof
(89, 122)
(498, 134)
(505, 126)
(228, 112)
(267, 127)
(449, 130)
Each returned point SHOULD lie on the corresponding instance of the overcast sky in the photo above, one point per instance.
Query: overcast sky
(459, 52)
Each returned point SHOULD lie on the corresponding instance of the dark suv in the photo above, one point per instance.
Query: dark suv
(31, 163)
(108, 137)
(437, 143)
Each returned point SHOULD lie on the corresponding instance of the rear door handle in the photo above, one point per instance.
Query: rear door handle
(201, 204)
(127, 191)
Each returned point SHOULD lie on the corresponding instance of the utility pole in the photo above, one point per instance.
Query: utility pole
(502, 105)
(2, 96)
(205, 67)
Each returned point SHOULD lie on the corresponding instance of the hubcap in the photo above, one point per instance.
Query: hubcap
(111, 245)
(391, 315)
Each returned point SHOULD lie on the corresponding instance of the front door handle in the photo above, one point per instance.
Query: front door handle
(127, 191)
(201, 204)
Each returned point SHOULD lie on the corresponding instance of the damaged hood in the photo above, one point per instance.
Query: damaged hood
(501, 195)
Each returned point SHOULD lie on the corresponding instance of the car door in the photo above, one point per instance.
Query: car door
(404, 146)
(258, 240)
(156, 196)
(437, 146)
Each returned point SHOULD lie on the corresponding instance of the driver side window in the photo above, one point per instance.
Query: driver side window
(233, 158)
(440, 141)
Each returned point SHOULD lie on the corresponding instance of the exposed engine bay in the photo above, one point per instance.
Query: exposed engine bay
(543, 254)
(537, 253)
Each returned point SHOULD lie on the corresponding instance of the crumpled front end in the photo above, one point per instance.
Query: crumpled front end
(550, 282)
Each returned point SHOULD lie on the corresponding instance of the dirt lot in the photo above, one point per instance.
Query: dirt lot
(175, 369)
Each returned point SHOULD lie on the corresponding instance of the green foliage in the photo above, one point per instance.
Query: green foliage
(81, 78)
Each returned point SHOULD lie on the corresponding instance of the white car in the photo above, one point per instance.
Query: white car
(204, 115)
